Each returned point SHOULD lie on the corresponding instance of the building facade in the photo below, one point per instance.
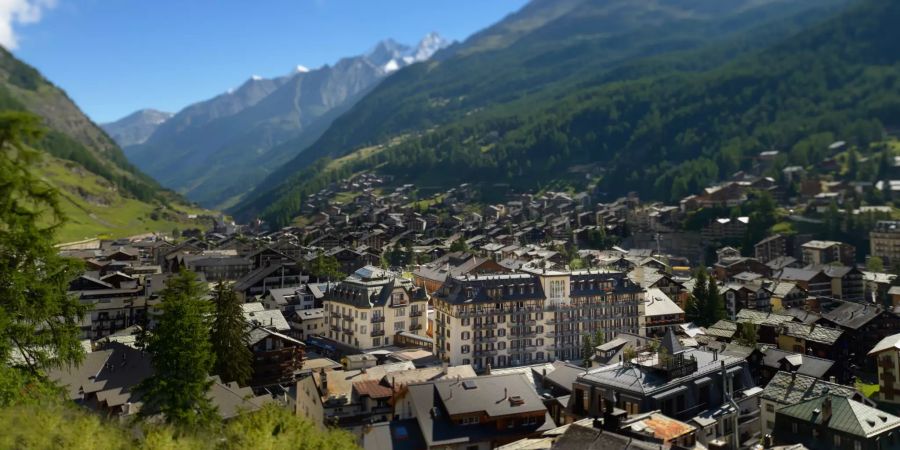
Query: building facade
(884, 242)
(516, 319)
(371, 306)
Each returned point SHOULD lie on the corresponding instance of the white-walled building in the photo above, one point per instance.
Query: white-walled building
(371, 306)
(515, 319)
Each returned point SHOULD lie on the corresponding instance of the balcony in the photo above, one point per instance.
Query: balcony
(377, 319)
(377, 333)
(347, 317)
(415, 313)
(348, 331)
(336, 328)
(415, 326)
(485, 352)
(486, 339)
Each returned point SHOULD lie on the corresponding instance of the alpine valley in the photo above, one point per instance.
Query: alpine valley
(216, 150)
(658, 97)
(101, 193)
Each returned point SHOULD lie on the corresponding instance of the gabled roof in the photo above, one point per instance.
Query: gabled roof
(805, 364)
(814, 332)
(272, 318)
(891, 342)
(847, 415)
(659, 304)
(789, 388)
(852, 315)
(762, 318)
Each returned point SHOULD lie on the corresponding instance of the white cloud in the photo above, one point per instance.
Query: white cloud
(19, 12)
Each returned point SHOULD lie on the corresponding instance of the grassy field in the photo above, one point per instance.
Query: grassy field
(345, 197)
(94, 208)
(867, 389)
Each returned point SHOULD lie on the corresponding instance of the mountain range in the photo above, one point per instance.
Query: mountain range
(101, 193)
(136, 127)
(214, 151)
(520, 102)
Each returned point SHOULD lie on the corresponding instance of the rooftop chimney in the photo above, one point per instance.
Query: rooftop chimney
(826, 409)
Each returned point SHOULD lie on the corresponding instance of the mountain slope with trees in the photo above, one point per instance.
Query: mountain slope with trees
(530, 137)
(215, 150)
(100, 190)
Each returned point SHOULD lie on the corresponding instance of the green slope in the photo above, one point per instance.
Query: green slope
(482, 95)
(104, 194)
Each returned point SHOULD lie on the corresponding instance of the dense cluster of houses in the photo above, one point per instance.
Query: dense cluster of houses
(547, 321)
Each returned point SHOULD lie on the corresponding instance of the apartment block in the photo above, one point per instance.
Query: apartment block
(516, 319)
(371, 307)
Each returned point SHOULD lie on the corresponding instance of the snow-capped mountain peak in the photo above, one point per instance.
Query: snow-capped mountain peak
(301, 69)
(391, 56)
(429, 45)
(391, 66)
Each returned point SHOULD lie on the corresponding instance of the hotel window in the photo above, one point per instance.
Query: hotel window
(557, 289)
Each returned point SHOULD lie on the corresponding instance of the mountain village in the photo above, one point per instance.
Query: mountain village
(551, 320)
(569, 224)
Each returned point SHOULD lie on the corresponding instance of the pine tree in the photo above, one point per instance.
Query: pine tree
(182, 355)
(696, 307)
(599, 337)
(587, 349)
(715, 303)
(38, 319)
(230, 338)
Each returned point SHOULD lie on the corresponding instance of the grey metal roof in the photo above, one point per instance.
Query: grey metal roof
(848, 416)
(631, 377)
(808, 365)
(852, 315)
(789, 388)
(435, 401)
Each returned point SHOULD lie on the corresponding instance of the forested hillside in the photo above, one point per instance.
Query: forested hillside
(644, 118)
(102, 192)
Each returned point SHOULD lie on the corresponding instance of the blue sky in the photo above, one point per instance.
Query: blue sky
(116, 56)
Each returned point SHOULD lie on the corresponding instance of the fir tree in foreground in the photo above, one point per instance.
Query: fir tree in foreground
(182, 355)
(230, 338)
(38, 320)
(587, 349)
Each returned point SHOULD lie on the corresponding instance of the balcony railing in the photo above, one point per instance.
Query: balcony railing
(415, 313)
(377, 333)
(415, 326)
(377, 319)
(347, 317)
